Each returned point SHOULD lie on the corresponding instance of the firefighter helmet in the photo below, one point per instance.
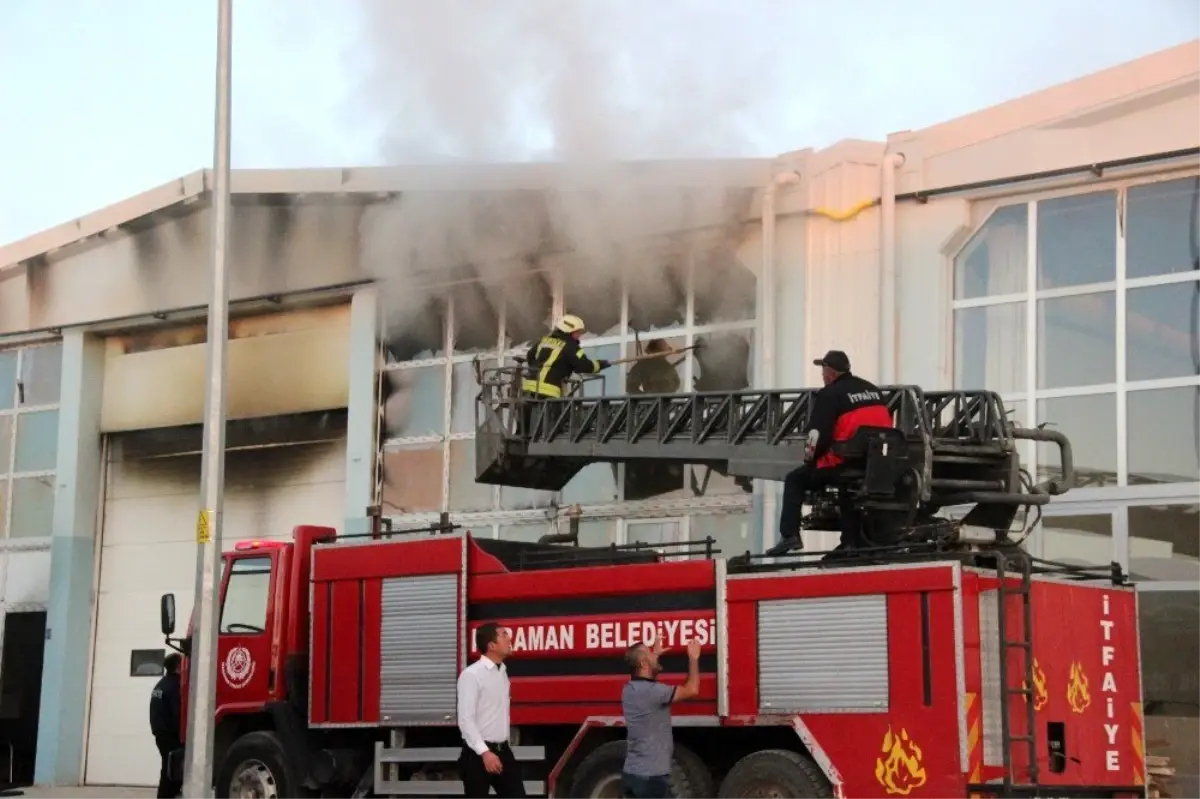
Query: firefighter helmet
(570, 324)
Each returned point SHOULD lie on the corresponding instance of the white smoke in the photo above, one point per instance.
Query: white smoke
(585, 84)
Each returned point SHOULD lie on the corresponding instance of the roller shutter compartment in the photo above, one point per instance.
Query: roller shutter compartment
(418, 642)
(823, 654)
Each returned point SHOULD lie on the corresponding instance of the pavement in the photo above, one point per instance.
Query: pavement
(98, 791)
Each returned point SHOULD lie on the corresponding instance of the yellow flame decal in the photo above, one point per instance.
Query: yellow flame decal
(898, 768)
(1078, 695)
(1040, 695)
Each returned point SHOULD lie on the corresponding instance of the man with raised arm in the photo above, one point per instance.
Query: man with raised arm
(646, 705)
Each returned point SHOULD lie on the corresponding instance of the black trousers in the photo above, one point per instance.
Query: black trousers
(167, 743)
(477, 780)
(799, 482)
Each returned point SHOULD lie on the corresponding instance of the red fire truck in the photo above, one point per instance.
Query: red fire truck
(939, 660)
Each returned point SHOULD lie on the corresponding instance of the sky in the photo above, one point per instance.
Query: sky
(102, 99)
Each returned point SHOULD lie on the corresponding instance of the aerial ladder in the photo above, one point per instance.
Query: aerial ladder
(946, 449)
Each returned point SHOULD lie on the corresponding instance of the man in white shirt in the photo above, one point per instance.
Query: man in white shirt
(487, 760)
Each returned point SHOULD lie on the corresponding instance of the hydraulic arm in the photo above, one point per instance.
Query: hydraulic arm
(946, 447)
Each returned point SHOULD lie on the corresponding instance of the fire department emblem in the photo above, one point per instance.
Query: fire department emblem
(238, 667)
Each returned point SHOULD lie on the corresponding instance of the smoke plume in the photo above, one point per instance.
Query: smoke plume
(584, 84)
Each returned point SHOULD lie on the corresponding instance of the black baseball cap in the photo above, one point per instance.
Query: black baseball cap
(836, 360)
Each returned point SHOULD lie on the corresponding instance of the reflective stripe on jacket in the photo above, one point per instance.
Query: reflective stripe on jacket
(551, 361)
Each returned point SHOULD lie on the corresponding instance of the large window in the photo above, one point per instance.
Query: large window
(1083, 312)
(431, 345)
(29, 395)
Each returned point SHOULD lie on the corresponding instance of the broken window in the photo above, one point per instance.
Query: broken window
(476, 318)
(414, 402)
(657, 287)
(415, 328)
(528, 308)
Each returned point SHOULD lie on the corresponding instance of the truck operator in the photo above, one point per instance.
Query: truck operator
(556, 357)
(846, 403)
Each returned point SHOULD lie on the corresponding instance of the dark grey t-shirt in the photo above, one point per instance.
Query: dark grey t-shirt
(646, 705)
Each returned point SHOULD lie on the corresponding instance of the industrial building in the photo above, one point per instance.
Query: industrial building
(1046, 248)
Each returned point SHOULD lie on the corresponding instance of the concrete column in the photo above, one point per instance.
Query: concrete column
(361, 411)
(69, 617)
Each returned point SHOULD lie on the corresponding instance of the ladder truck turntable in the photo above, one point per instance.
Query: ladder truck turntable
(940, 660)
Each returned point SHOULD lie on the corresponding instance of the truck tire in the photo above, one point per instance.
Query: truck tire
(599, 774)
(257, 765)
(775, 772)
(690, 775)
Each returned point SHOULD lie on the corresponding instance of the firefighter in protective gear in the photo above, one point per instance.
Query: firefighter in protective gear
(556, 357)
(846, 403)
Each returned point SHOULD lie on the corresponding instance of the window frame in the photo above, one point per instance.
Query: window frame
(1029, 298)
(271, 558)
(8, 470)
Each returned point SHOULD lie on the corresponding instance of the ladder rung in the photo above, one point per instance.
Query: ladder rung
(1018, 691)
(1021, 644)
(1015, 739)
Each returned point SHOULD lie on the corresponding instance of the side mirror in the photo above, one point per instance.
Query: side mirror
(166, 612)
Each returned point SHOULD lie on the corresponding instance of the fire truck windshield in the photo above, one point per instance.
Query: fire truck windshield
(244, 611)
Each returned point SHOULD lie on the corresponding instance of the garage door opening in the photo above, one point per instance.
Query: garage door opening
(20, 695)
(279, 472)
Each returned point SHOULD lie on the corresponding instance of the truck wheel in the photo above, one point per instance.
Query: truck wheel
(599, 775)
(256, 765)
(775, 773)
(690, 776)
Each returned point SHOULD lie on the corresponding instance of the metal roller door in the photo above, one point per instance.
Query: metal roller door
(148, 548)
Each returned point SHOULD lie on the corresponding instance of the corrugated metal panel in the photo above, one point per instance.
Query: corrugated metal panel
(823, 654)
(989, 656)
(419, 639)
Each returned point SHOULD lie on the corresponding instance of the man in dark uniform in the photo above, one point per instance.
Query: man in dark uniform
(845, 404)
(164, 723)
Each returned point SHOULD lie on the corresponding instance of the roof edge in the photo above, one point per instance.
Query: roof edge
(733, 172)
(188, 187)
(1153, 71)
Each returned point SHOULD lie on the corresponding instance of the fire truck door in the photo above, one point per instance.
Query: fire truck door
(244, 644)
